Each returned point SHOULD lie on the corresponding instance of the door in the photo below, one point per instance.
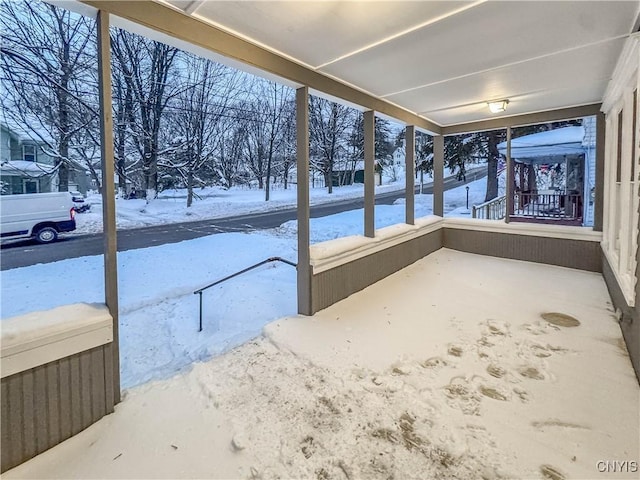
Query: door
(30, 186)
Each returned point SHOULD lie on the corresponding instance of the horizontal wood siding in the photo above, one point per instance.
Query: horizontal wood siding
(578, 254)
(333, 285)
(44, 406)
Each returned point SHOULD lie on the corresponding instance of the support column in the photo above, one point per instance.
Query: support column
(108, 190)
(369, 174)
(438, 175)
(626, 203)
(599, 194)
(302, 153)
(607, 190)
(410, 166)
(510, 176)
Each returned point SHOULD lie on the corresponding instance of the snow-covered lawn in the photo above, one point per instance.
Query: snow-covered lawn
(443, 370)
(214, 202)
(158, 310)
(217, 202)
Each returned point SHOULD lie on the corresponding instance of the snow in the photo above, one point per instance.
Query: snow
(443, 370)
(34, 326)
(545, 145)
(213, 202)
(158, 310)
(23, 167)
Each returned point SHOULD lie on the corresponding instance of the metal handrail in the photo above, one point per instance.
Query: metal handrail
(229, 277)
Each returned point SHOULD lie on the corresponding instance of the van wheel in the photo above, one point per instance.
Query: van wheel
(46, 235)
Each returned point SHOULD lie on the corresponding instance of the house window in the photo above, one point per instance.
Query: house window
(30, 186)
(29, 153)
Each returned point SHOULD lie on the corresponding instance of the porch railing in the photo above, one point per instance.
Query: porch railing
(494, 209)
(548, 206)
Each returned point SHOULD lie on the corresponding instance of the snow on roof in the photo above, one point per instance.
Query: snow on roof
(34, 132)
(543, 146)
(22, 167)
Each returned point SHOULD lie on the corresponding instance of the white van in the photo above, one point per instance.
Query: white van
(38, 215)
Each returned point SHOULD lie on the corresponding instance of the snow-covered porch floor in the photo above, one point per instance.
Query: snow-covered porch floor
(443, 370)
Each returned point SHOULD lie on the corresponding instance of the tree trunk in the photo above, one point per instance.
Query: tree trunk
(189, 185)
(328, 181)
(268, 184)
(492, 167)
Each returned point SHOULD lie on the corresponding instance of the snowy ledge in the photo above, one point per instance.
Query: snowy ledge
(333, 253)
(531, 229)
(37, 338)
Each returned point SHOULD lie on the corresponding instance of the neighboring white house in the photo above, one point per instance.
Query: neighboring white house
(25, 166)
(567, 152)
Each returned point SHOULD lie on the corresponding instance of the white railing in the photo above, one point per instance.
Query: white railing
(494, 209)
(556, 206)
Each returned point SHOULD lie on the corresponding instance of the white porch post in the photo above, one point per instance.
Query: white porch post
(509, 206)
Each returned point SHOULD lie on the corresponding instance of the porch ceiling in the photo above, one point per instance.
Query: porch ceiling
(442, 60)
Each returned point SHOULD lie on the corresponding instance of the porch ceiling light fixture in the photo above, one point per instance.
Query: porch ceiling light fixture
(498, 106)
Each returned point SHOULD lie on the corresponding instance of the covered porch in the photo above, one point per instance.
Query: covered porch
(557, 73)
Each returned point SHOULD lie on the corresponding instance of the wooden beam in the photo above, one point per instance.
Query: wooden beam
(369, 174)
(302, 186)
(522, 120)
(177, 24)
(108, 189)
(438, 175)
(410, 166)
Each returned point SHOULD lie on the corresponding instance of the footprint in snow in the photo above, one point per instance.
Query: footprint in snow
(552, 473)
(533, 373)
(455, 350)
(497, 328)
(434, 362)
(462, 396)
(494, 393)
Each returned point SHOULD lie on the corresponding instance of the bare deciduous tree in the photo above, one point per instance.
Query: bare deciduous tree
(48, 77)
(328, 125)
(207, 91)
(146, 66)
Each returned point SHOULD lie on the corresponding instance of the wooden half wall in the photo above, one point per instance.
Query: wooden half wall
(46, 405)
(568, 250)
(56, 381)
(334, 283)
(335, 277)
